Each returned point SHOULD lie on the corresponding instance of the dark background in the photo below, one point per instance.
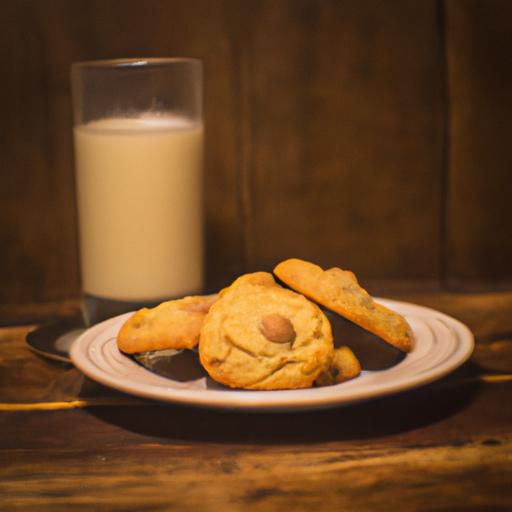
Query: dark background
(372, 135)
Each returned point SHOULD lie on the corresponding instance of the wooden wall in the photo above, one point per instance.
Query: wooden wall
(368, 134)
(479, 176)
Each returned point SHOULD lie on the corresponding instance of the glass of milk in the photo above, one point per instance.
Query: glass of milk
(138, 135)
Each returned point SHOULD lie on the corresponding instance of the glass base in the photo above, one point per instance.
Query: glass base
(96, 309)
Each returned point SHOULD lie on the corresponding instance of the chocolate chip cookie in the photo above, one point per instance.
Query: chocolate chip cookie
(339, 291)
(174, 324)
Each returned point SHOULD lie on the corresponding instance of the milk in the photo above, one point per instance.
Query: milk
(139, 184)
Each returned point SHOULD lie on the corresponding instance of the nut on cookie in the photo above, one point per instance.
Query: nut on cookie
(259, 335)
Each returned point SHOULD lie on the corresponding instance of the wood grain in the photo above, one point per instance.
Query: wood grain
(326, 133)
(345, 128)
(471, 477)
(36, 191)
(444, 446)
(479, 41)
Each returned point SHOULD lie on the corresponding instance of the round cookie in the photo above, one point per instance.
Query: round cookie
(339, 291)
(259, 335)
(173, 324)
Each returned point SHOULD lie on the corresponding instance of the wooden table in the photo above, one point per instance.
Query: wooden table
(67, 443)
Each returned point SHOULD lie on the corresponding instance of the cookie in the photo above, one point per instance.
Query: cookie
(259, 335)
(174, 324)
(339, 291)
(343, 366)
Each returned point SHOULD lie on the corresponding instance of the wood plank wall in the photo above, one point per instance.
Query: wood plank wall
(479, 209)
(367, 134)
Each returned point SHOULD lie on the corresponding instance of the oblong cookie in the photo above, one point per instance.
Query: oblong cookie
(339, 291)
(259, 335)
(174, 324)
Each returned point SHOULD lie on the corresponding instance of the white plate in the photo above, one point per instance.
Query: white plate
(441, 345)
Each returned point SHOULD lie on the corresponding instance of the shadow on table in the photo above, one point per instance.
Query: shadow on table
(381, 417)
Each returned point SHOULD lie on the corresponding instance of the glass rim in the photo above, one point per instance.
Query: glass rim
(129, 62)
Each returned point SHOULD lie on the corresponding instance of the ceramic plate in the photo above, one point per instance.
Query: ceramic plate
(441, 345)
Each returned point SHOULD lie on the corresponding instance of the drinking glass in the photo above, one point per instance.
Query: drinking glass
(138, 139)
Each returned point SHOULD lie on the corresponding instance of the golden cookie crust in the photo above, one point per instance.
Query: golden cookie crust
(339, 291)
(174, 324)
(343, 366)
(259, 335)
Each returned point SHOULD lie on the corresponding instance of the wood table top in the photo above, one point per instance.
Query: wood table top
(68, 443)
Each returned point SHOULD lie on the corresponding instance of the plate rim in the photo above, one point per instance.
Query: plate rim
(277, 400)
